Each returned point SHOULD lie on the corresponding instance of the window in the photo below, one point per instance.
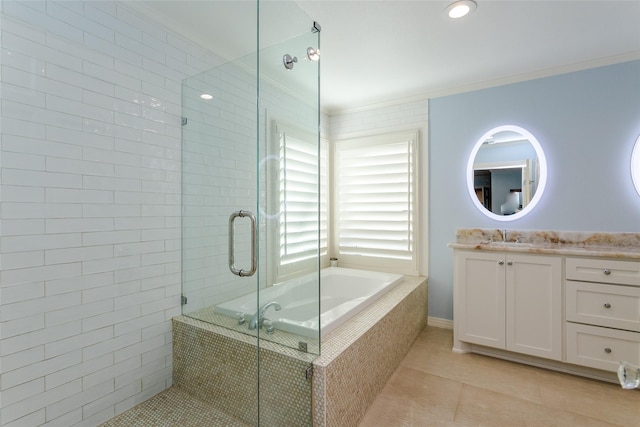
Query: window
(299, 203)
(375, 216)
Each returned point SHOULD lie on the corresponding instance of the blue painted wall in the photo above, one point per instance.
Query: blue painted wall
(587, 123)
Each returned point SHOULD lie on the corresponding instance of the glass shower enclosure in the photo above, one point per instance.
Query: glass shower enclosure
(251, 193)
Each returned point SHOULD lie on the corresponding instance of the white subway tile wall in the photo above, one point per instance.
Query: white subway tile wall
(401, 116)
(90, 220)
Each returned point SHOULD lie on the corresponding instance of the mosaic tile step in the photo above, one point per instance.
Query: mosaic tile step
(173, 407)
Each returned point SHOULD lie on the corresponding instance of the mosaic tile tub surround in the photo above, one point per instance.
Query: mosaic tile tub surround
(357, 360)
(220, 366)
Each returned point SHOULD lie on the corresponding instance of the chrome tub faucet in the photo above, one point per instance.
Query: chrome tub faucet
(258, 318)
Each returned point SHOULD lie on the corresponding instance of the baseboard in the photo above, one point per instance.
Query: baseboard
(440, 323)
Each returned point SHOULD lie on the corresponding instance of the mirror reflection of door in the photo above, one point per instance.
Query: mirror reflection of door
(504, 188)
(482, 184)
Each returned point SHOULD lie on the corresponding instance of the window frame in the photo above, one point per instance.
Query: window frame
(379, 263)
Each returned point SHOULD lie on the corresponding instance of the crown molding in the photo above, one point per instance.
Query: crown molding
(437, 93)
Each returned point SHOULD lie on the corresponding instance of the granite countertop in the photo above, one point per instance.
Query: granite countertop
(607, 245)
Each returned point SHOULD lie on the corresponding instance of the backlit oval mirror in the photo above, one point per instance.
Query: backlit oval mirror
(635, 165)
(506, 173)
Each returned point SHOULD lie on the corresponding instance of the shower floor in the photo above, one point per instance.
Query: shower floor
(173, 407)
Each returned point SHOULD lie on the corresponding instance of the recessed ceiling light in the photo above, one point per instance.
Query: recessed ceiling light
(460, 8)
(206, 96)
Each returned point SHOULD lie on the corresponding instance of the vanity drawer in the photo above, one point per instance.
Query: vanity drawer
(603, 305)
(601, 348)
(603, 270)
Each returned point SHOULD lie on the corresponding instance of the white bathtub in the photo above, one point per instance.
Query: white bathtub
(344, 292)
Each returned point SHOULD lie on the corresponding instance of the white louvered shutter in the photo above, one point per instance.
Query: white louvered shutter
(376, 191)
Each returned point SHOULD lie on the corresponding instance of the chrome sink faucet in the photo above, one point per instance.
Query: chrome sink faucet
(258, 318)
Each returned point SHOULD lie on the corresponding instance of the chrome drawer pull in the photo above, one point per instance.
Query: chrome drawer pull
(510, 263)
(607, 350)
(607, 271)
(607, 305)
(500, 262)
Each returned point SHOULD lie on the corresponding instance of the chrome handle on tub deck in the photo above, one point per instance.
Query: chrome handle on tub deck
(254, 255)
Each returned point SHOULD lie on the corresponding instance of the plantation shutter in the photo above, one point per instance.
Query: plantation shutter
(300, 202)
(376, 196)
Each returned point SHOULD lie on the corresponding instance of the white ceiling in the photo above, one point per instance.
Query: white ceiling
(378, 51)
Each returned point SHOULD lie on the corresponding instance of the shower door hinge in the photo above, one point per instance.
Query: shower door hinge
(308, 372)
(183, 300)
(316, 28)
(184, 121)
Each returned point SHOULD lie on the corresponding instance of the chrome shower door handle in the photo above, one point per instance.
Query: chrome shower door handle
(254, 247)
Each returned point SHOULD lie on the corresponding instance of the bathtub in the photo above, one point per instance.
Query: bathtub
(343, 293)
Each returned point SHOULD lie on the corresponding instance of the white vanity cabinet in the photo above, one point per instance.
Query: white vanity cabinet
(510, 301)
(602, 312)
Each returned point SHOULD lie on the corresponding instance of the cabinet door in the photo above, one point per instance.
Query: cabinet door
(480, 298)
(534, 305)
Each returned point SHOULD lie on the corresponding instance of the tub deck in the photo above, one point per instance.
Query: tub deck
(344, 292)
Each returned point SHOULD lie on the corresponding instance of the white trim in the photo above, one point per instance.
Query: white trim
(437, 322)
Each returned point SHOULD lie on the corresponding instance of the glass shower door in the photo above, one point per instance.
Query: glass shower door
(219, 190)
(250, 223)
(216, 359)
(251, 190)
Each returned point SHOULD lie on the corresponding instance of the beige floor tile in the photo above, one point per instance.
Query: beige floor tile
(498, 392)
(387, 412)
(438, 337)
(414, 398)
(481, 371)
(596, 399)
(487, 408)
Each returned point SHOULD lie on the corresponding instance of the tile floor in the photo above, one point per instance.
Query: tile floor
(435, 387)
